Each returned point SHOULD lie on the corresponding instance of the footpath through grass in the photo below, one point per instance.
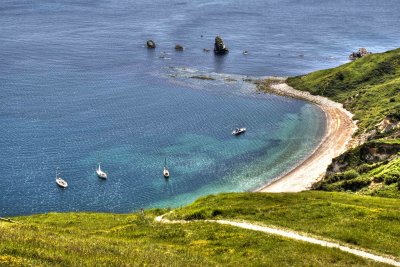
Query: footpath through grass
(91, 239)
(368, 222)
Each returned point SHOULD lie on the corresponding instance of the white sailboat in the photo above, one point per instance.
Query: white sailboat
(165, 171)
(100, 173)
(60, 181)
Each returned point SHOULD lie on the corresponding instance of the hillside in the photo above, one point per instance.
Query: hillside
(368, 87)
(368, 222)
(95, 239)
(372, 168)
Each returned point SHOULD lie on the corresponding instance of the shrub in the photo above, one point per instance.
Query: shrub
(391, 178)
(196, 215)
(350, 174)
(216, 212)
(365, 168)
(356, 184)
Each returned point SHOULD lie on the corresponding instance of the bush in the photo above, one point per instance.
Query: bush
(356, 184)
(365, 168)
(391, 178)
(350, 174)
(196, 215)
(216, 212)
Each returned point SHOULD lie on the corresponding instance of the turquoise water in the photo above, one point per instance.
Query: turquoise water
(77, 86)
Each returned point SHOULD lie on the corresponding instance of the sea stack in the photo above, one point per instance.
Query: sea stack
(219, 46)
(151, 44)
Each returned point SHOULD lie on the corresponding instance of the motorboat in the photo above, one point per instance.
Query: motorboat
(100, 173)
(238, 131)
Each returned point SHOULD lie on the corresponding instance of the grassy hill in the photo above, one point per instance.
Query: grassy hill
(96, 239)
(369, 87)
(369, 222)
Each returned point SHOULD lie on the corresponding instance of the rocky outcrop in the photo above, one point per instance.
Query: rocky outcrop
(360, 53)
(389, 124)
(178, 47)
(151, 44)
(371, 152)
(219, 46)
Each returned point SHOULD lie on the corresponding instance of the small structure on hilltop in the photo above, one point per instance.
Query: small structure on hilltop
(360, 53)
(151, 44)
(219, 46)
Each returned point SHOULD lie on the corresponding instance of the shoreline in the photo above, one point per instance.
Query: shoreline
(337, 139)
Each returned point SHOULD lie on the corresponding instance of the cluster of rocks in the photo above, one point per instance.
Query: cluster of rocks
(219, 46)
(360, 53)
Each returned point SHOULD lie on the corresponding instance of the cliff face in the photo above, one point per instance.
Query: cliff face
(372, 168)
(368, 153)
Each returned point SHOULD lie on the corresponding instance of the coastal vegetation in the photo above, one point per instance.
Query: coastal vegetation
(99, 239)
(368, 87)
(372, 168)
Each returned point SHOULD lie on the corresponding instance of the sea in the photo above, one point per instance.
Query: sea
(78, 86)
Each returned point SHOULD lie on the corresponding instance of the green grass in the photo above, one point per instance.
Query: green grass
(368, 222)
(369, 87)
(96, 239)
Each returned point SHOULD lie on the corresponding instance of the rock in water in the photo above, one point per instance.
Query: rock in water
(178, 47)
(360, 53)
(151, 44)
(219, 46)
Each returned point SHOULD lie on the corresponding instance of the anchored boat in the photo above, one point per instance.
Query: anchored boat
(238, 131)
(165, 171)
(100, 173)
(60, 181)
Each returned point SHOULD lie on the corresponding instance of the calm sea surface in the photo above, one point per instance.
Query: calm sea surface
(77, 86)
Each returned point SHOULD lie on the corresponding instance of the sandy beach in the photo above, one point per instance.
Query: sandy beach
(337, 139)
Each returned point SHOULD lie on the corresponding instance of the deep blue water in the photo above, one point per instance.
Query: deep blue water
(77, 86)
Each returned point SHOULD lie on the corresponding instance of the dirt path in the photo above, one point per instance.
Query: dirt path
(339, 130)
(295, 236)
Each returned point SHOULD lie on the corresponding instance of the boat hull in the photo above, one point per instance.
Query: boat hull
(61, 183)
(239, 131)
(166, 173)
(101, 175)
